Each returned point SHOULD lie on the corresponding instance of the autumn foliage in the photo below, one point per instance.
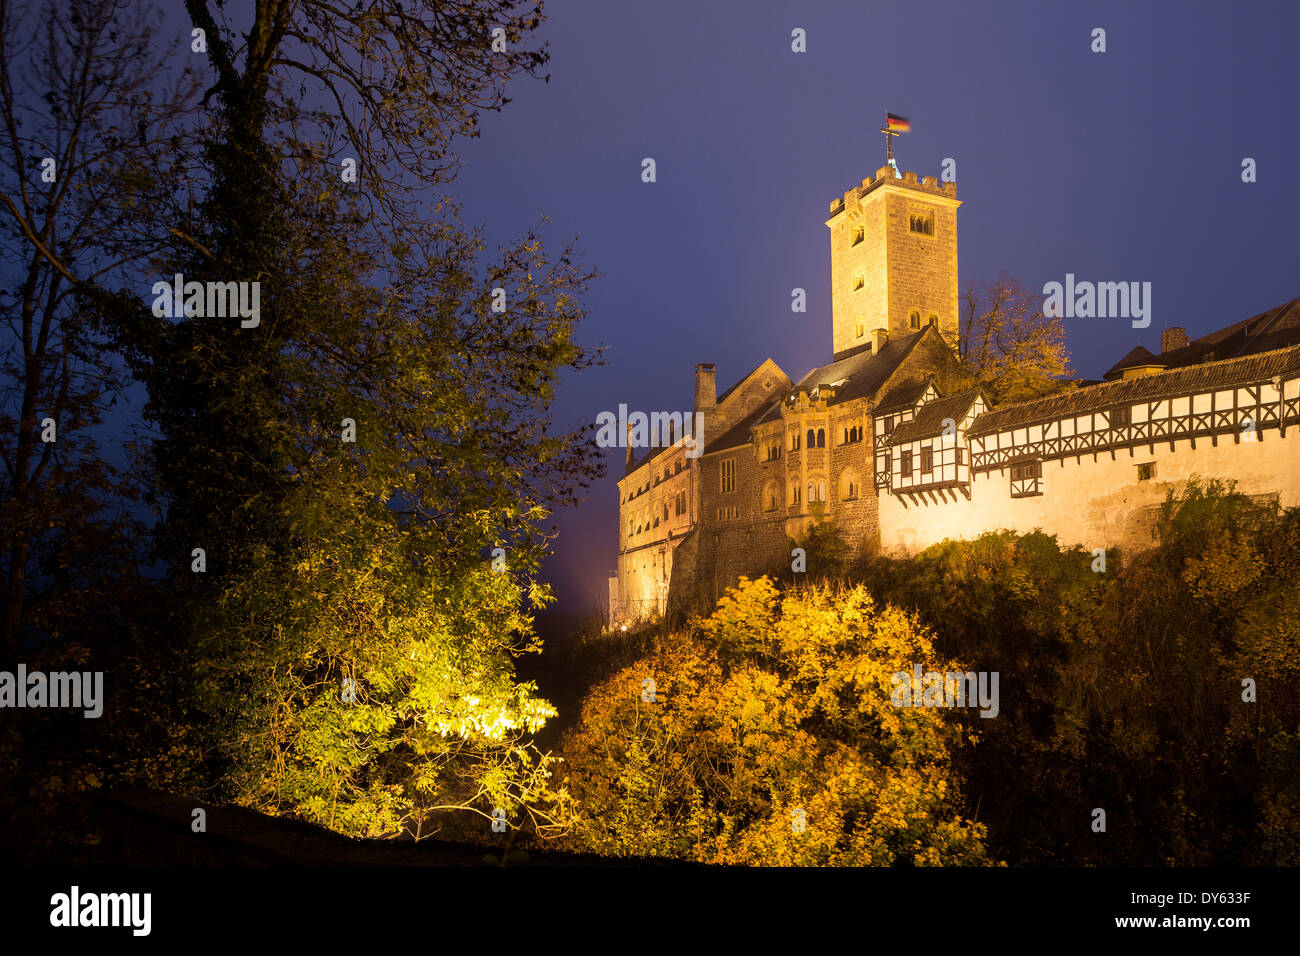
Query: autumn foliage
(766, 736)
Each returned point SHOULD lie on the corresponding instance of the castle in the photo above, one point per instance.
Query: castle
(871, 443)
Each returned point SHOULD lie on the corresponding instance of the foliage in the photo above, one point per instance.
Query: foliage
(1008, 346)
(775, 704)
(325, 558)
(1123, 690)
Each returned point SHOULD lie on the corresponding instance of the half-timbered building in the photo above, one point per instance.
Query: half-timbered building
(873, 444)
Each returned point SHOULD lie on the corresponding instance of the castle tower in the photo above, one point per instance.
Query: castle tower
(893, 258)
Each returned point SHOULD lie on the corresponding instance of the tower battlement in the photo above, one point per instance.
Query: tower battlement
(893, 258)
(910, 180)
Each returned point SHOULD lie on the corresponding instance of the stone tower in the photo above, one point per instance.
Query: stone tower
(893, 258)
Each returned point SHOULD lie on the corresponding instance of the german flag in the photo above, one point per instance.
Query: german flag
(897, 124)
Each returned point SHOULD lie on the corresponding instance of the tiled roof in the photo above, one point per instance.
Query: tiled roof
(1136, 357)
(903, 396)
(1275, 329)
(864, 372)
(930, 417)
(1209, 375)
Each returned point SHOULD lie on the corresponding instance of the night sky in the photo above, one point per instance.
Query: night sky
(1116, 166)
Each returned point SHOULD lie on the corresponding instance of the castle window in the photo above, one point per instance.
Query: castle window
(934, 320)
(678, 469)
(794, 442)
(680, 502)
(796, 495)
(667, 473)
(812, 438)
(905, 463)
(1146, 471)
(665, 511)
(771, 494)
(859, 281)
(848, 484)
(890, 422)
(821, 438)
(859, 234)
(1119, 417)
(728, 471)
(1026, 479)
(853, 434)
(927, 460)
(914, 320)
(922, 222)
(728, 513)
(860, 330)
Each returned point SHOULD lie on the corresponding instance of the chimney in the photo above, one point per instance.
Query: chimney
(706, 388)
(631, 452)
(878, 339)
(1173, 338)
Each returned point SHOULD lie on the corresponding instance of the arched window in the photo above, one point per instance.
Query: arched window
(812, 439)
(850, 485)
(934, 319)
(771, 496)
(914, 320)
(821, 438)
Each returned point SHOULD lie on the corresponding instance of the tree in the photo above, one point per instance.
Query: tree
(337, 474)
(769, 737)
(84, 136)
(1009, 347)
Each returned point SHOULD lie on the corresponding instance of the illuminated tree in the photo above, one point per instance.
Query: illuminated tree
(1009, 347)
(769, 737)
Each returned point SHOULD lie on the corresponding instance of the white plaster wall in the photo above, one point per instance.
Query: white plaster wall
(1093, 503)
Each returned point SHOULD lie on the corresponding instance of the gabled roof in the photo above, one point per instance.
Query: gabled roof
(1275, 329)
(930, 417)
(1136, 358)
(652, 453)
(745, 378)
(1078, 401)
(902, 396)
(865, 372)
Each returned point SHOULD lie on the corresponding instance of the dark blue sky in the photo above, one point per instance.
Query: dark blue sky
(1119, 166)
(1116, 166)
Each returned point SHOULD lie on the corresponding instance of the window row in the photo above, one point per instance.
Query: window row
(645, 523)
(921, 223)
(924, 462)
(815, 491)
(816, 439)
